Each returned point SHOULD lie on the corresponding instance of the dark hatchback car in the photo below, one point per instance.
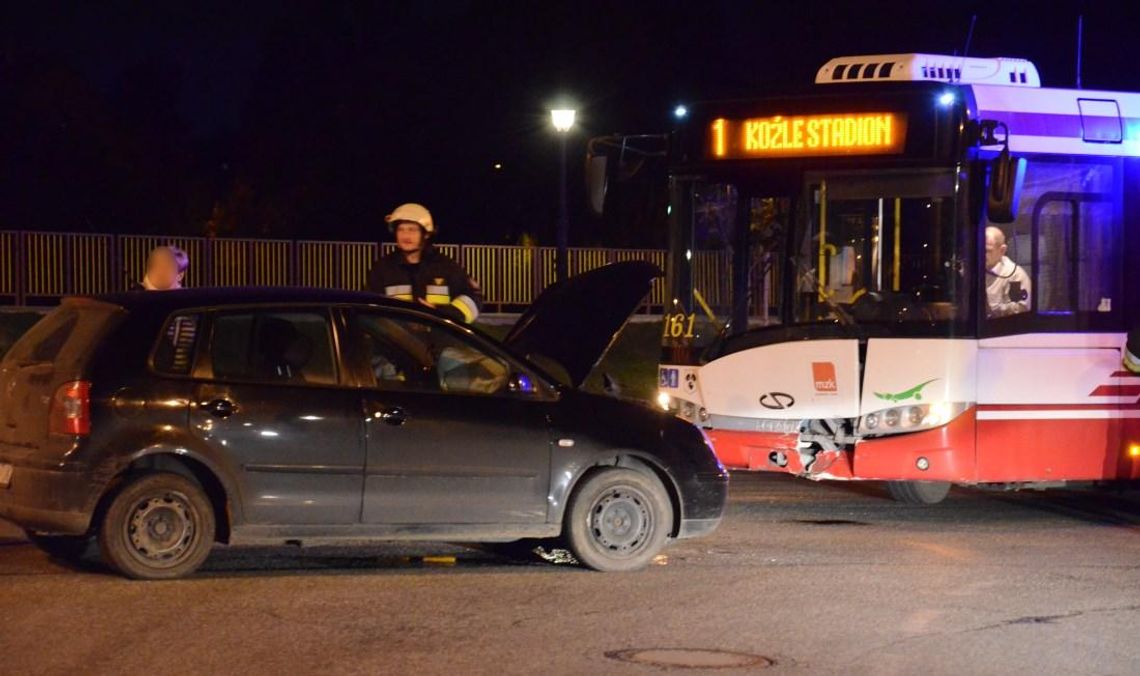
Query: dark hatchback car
(161, 423)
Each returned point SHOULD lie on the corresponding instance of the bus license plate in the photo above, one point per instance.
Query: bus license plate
(5, 475)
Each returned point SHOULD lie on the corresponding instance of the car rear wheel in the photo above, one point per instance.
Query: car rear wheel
(159, 527)
(919, 492)
(618, 520)
(69, 548)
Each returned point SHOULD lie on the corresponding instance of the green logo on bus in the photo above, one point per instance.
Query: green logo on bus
(913, 393)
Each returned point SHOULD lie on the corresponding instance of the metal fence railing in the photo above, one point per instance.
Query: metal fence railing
(38, 268)
(8, 264)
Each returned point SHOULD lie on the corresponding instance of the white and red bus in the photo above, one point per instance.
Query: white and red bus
(854, 325)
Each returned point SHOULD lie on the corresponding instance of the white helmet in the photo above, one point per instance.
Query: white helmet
(411, 213)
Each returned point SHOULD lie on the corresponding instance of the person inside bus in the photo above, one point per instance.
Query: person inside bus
(1007, 284)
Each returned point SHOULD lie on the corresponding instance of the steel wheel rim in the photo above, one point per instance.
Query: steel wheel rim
(161, 529)
(621, 521)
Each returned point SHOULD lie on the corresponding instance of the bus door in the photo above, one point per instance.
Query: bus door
(727, 256)
(726, 260)
(1053, 400)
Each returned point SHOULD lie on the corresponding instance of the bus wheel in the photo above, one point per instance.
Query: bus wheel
(918, 492)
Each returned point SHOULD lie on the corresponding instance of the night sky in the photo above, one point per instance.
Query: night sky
(312, 120)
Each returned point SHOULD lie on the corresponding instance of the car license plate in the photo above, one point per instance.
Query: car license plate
(5, 475)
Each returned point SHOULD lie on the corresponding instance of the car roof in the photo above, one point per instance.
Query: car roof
(170, 301)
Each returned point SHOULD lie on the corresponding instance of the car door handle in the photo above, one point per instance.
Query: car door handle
(391, 415)
(219, 408)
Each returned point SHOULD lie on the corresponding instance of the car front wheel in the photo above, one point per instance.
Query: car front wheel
(618, 520)
(159, 527)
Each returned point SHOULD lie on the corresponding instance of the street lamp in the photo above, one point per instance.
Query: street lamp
(563, 120)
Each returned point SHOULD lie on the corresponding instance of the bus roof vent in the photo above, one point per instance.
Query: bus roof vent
(929, 68)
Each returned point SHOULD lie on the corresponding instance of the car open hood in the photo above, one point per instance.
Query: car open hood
(574, 322)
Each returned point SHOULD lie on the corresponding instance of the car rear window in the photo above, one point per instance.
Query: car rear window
(66, 336)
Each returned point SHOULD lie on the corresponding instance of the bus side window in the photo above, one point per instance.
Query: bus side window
(1067, 239)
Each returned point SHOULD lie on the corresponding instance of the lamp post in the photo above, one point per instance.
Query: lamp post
(563, 119)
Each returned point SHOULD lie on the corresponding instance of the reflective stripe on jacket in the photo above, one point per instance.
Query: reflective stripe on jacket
(436, 279)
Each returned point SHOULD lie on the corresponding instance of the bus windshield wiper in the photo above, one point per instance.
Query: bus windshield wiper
(842, 315)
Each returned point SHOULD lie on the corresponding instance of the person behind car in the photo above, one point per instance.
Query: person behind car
(1007, 284)
(417, 272)
(165, 269)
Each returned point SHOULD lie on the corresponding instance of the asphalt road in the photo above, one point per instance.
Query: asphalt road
(814, 578)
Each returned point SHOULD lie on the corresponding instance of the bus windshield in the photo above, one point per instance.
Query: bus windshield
(876, 247)
(867, 247)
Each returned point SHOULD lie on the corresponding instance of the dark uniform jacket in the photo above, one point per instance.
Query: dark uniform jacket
(436, 279)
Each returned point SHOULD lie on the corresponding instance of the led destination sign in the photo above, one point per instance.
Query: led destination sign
(796, 135)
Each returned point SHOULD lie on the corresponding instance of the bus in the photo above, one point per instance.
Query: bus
(921, 270)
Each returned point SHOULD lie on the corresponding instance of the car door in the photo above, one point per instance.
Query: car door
(456, 432)
(269, 396)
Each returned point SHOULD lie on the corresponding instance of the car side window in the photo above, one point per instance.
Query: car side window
(174, 353)
(293, 347)
(409, 354)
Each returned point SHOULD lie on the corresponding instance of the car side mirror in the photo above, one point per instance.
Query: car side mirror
(1007, 174)
(521, 383)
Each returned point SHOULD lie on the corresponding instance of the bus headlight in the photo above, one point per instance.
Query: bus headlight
(910, 418)
(941, 413)
(682, 408)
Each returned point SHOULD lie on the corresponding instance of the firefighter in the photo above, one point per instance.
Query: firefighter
(417, 272)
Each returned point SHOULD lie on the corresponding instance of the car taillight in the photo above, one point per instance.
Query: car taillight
(71, 409)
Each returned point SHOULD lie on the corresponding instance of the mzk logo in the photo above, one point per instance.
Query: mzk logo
(823, 374)
(913, 393)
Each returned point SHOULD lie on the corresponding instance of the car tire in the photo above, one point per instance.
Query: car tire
(919, 492)
(158, 527)
(617, 520)
(67, 548)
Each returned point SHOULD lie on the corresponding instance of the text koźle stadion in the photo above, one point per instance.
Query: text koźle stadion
(790, 135)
